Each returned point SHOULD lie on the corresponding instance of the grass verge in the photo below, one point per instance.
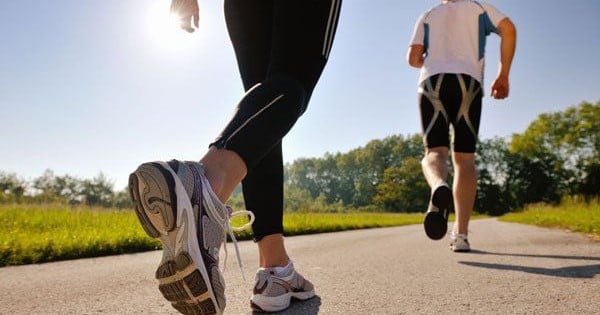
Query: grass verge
(35, 234)
(572, 214)
(311, 223)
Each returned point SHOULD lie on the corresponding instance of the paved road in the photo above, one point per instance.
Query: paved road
(515, 269)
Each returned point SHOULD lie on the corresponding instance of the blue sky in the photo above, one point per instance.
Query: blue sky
(90, 86)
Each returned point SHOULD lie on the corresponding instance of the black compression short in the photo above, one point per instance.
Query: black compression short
(450, 99)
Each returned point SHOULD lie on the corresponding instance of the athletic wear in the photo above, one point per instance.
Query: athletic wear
(274, 292)
(454, 35)
(281, 49)
(459, 243)
(436, 218)
(175, 203)
(451, 99)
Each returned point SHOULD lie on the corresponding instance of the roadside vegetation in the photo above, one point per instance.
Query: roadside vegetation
(572, 214)
(35, 234)
(55, 217)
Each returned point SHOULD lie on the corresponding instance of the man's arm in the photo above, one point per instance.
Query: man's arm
(415, 55)
(508, 41)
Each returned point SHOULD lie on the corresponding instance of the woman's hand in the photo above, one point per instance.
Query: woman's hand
(186, 10)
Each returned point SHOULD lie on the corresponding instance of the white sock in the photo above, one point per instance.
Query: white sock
(284, 271)
(440, 183)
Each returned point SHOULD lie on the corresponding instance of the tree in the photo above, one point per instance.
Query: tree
(47, 189)
(403, 188)
(352, 178)
(590, 185)
(297, 199)
(98, 191)
(532, 180)
(12, 188)
(493, 196)
(566, 144)
(121, 200)
(302, 174)
(53, 188)
(69, 188)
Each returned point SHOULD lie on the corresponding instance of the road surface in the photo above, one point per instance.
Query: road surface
(515, 269)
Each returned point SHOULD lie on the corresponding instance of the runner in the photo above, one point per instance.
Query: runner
(281, 49)
(448, 45)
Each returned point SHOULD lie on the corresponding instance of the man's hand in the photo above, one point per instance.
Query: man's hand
(500, 87)
(186, 10)
(508, 36)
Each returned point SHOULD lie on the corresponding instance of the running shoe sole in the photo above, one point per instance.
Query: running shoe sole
(436, 222)
(165, 212)
(461, 250)
(266, 304)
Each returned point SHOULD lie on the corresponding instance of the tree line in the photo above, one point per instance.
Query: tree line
(66, 189)
(557, 155)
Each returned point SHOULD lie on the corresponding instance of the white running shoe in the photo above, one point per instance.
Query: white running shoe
(175, 203)
(459, 243)
(273, 293)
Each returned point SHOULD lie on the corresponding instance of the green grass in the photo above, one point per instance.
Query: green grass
(310, 223)
(571, 214)
(35, 234)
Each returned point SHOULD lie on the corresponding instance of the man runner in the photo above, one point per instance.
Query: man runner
(448, 45)
(281, 49)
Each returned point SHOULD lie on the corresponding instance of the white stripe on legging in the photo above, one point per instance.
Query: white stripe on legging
(333, 25)
(329, 26)
(253, 116)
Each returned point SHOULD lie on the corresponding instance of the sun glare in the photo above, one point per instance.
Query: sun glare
(162, 28)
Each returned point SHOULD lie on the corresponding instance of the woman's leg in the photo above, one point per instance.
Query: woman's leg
(303, 32)
(249, 23)
(301, 37)
(263, 194)
(250, 28)
(300, 42)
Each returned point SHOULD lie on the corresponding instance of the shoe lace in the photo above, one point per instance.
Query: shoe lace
(223, 215)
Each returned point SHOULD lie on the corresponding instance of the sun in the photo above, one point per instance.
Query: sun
(162, 28)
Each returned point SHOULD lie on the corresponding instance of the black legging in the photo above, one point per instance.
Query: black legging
(281, 47)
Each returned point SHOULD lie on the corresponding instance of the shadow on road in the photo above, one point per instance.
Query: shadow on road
(581, 272)
(537, 256)
(308, 307)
